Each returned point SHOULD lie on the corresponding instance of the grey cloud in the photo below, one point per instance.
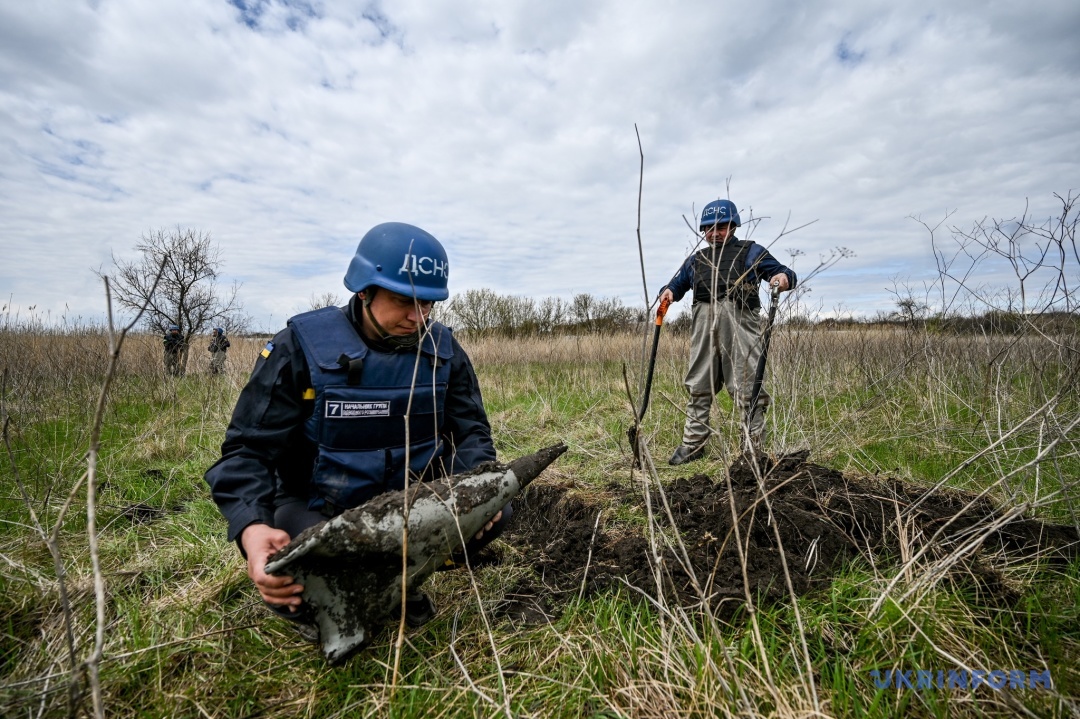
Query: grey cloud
(507, 128)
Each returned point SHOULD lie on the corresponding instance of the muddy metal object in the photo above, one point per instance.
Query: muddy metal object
(631, 434)
(351, 565)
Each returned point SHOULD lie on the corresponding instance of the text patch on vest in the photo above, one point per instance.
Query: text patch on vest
(346, 410)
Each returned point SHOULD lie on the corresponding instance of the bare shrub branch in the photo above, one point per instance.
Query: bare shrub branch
(174, 282)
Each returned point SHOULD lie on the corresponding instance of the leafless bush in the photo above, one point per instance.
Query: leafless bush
(187, 294)
(326, 299)
(1042, 256)
(485, 313)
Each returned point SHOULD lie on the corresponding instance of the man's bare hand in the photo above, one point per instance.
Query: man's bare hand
(780, 280)
(259, 542)
(489, 525)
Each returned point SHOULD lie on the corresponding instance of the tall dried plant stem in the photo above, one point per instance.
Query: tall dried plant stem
(641, 449)
(116, 341)
(751, 609)
(641, 185)
(650, 521)
(790, 587)
(650, 476)
(400, 638)
(399, 641)
(688, 566)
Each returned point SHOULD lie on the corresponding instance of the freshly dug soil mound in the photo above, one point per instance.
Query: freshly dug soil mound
(823, 520)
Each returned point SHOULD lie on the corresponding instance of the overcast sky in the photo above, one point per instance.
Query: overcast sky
(287, 128)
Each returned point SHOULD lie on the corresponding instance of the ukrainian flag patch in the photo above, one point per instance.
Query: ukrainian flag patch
(267, 349)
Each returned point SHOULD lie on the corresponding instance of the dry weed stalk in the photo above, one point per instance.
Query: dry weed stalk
(52, 543)
(52, 539)
(116, 342)
(400, 636)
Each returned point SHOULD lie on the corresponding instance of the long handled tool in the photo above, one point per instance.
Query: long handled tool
(631, 433)
(759, 377)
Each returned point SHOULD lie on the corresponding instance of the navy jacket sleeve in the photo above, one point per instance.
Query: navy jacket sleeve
(682, 281)
(765, 266)
(466, 429)
(266, 424)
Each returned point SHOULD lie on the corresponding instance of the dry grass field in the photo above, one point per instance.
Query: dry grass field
(156, 617)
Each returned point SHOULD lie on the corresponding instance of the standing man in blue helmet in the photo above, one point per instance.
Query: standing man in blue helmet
(726, 325)
(320, 426)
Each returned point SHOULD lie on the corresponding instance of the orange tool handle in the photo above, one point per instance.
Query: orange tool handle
(662, 310)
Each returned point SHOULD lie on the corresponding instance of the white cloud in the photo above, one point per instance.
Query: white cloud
(287, 129)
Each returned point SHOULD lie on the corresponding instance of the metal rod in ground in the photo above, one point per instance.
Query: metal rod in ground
(631, 433)
(759, 376)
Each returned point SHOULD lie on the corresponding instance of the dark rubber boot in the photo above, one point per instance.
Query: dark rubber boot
(684, 454)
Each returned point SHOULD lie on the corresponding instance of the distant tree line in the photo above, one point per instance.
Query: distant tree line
(483, 313)
(994, 322)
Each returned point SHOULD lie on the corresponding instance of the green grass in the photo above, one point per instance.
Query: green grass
(185, 633)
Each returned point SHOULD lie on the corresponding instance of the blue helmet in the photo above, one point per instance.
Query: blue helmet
(401, 258)
(219, 330)
(719, 212)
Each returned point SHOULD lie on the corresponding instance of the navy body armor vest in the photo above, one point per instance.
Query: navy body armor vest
(726, 264)
(361, 399)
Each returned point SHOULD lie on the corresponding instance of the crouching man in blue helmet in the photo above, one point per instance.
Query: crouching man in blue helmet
(726, 326)
(319, 428)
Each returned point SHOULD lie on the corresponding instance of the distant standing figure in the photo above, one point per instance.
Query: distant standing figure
(219, 345)
(726, 324)
(173, 343)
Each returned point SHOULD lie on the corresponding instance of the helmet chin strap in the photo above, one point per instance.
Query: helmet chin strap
(396, 342)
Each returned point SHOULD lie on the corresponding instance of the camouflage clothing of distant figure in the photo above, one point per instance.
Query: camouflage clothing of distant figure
(173, 344)
(219, 345)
